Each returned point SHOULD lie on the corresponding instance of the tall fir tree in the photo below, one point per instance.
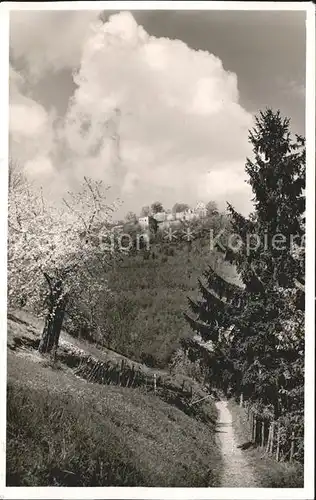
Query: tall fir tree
(257, 329)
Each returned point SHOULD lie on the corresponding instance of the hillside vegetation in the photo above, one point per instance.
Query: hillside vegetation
(64, 431)
(142, 316)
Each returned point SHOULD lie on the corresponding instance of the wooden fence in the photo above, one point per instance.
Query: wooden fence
(274, 438)
(124, 374)
(121, 374)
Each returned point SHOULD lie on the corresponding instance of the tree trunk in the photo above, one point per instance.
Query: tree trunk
(54, 320)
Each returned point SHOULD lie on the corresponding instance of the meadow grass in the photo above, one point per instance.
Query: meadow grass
(63, 431)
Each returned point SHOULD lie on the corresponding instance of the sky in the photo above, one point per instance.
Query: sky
(157, 104)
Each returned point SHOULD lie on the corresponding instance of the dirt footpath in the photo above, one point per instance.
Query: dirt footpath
(237, 472)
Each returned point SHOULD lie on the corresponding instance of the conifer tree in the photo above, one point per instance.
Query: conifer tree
(257, 329)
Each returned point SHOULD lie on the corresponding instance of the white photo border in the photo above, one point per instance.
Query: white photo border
(305, 493)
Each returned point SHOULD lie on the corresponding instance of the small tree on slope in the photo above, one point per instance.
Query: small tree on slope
(50, 251)
(257, 329)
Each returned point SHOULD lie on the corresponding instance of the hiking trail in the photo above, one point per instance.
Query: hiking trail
(237, 473)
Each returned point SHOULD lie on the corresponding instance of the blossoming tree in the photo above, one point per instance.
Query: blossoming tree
(50, 250)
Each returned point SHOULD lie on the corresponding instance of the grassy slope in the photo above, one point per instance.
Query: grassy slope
(64, 431)
(272, 474)
(24, 329)
(144, 317)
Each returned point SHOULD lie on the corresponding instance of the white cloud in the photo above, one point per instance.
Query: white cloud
(40, 166)
(31, 129)
(179, 118)
(226, 184)
(49, 40)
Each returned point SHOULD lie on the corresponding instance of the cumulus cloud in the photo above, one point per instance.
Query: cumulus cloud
(152, 117)
(31, 129)
(47, 40)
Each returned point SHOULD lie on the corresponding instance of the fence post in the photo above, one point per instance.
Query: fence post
(134, 376)
(118, 374)
(92, 372)
(250, 425)
(103, 374)
(269, 439)
(292, 447)
(255, 428)
(241, 401)
(131, 377)
(277, 455)
(122, 372)
(98, 373)
(155, 383)
(128, 377)
(272, 437)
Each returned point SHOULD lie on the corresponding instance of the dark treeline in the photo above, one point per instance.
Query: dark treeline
(257, 327)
